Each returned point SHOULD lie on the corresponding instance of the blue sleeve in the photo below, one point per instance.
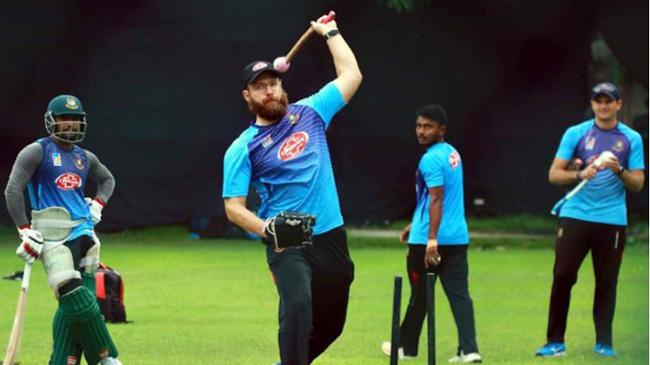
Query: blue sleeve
(636, 153)
(568, 144)
(432, 170)
(236, 171)
(326, 102)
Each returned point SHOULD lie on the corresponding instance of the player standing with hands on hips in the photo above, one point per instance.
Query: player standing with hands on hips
(55, 170)
(438, 239)
(284, 155)
(595, 218)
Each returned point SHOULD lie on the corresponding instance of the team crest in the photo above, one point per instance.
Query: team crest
(293, 118)
(591, 142)
(78, 162)
(618, 146)
(454, 159)
(56, 159)
(267, 141)
(293, 146)
(260, 65)
(71, 103)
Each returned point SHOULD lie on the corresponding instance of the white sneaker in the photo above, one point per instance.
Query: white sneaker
(110, 361)
(385, 347)
(473, 358)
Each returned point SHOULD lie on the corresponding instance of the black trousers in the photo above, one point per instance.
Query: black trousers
(575, 239)
(313, 283)
(453, 272)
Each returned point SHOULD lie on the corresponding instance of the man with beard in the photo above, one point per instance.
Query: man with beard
(437, 239)
(595, 218)
(284, 155)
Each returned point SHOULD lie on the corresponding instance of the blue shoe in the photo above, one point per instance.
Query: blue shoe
(552, 349)
(604, 350)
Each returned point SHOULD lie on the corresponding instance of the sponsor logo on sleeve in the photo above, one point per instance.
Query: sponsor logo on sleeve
(293, 146)
(68, 181)
(454, 159)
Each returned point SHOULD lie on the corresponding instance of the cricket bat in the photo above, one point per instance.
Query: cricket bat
(17, 330)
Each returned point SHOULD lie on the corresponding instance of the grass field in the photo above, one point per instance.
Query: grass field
(213, 302)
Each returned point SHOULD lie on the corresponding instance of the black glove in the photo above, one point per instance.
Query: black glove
(289, 229)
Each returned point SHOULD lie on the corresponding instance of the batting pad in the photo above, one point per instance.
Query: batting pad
(64, 348)
(87, 327)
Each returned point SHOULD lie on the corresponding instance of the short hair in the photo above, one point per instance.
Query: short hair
(433, 112)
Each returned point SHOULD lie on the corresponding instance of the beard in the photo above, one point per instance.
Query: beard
(271, 108)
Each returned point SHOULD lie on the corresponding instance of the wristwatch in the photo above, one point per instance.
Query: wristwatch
(331, 34)
(621, 170)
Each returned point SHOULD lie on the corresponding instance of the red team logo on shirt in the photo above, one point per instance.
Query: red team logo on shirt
(293, 146)
(68, 181)
(454, 160)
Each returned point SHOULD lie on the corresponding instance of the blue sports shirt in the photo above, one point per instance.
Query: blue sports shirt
(288, 163)
(60, 181)
(601, 200)
(440, 165)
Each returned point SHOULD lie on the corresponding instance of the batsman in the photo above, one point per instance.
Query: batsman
(54, 171)
(285, 156)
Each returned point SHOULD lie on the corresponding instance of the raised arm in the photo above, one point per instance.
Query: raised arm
(347, 70)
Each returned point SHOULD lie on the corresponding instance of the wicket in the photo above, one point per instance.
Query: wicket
(394, 338)
(431, 320)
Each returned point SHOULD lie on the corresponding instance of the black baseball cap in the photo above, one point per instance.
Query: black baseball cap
(605, 88)
(256, 68)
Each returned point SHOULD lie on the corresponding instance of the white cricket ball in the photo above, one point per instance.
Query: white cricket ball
(603, 156)
(281, 65)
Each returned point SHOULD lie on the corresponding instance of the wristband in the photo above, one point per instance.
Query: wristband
(331, 34)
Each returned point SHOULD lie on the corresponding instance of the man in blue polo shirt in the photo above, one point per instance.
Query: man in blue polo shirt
(438, 239)
(284, 155)
(595, 218)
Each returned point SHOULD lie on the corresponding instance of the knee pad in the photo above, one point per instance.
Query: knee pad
(59, 266)
(78, 305)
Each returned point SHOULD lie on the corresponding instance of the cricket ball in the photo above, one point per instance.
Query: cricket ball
(281, 65)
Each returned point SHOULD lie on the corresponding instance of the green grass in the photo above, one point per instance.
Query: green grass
(213, 302)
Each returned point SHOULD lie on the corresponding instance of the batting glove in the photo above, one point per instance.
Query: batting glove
(32, 244)
(95, 207)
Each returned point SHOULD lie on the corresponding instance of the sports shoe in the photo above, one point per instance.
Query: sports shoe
(110, 361)
(385, 347)
(604, 350)
(552, 349)
(471, 358)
